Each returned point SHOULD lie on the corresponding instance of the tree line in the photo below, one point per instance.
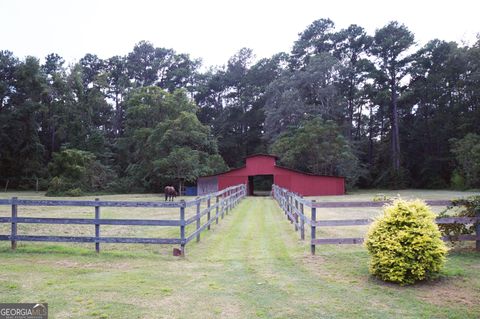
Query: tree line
(376, 109)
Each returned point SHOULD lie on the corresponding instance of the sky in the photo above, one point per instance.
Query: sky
(212, 30)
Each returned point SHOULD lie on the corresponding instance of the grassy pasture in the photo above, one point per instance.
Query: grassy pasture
(106, 213)
(251, 265)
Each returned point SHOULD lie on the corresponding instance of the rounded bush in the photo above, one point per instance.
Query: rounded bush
(405, 244)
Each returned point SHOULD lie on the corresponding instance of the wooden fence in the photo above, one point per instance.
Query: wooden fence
(225, 200)
(295, 206)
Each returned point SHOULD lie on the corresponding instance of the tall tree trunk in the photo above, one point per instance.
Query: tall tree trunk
(395, 131)
(350, 112)
(350, 120)
(359, 123)
(52, 137)
(118, 116)
(382, 121)
(370, 138)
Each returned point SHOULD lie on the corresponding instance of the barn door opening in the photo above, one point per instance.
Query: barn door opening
(260, 185)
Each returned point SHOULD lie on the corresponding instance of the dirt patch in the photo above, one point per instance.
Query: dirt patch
(448, 291)
(313, 262)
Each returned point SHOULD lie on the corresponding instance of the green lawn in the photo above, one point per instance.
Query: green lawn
(251, 265)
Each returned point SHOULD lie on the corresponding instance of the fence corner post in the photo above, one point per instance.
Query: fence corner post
(198, 219)
(14, 223)
(182, 228)
(97, 225)
(313, 228)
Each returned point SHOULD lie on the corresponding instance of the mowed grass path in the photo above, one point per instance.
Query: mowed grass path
(251, 265)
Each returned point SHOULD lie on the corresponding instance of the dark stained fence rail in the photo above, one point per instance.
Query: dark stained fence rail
(294, 205)
(225, 201)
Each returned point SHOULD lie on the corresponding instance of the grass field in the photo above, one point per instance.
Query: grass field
(251, 265)
(106, 213)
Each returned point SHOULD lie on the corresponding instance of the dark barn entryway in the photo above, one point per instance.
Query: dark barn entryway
(260, 185)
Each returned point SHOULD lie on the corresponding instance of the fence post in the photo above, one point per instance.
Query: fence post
(182, 228)
(225, 203)
(222, 201)
(234, 197)
(229, 200)
(313, 228)
(198, 219)
(477, 230)
(97, 226)
(286, 205)
(216, 209)
(302, 222)
(14, 223)
(296, 213)
(289, 212)
(208, 212)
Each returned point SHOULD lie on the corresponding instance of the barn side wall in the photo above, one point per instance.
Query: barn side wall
(317, 185)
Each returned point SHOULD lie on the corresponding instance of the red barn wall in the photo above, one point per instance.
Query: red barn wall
(308, 185)
(298, 182)
(227, 181)
(282, 180)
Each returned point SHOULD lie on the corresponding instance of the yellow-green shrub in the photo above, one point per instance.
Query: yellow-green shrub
(405, 244)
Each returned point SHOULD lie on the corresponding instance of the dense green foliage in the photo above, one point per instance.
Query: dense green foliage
(406, 115)
(75, 172)
(467, 155)
(164, 141)
(405, 244)
(464, 207)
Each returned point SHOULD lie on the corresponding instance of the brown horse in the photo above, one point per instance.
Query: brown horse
(170, 193)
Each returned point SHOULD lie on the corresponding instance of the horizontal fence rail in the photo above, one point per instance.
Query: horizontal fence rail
(294, 207)
(225, 201)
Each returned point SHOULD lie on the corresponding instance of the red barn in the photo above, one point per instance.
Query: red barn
(263, 168)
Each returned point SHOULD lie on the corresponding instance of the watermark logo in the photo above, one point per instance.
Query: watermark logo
(23, 311)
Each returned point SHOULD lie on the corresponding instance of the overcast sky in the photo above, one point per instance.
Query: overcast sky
(209, 29)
